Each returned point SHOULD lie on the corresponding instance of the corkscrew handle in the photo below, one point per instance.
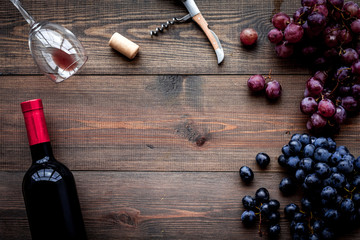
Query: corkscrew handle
(168, 23)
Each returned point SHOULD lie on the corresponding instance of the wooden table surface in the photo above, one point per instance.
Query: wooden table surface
(129, 130)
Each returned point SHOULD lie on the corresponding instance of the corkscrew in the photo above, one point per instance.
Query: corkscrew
(169, 23)
(196, 15)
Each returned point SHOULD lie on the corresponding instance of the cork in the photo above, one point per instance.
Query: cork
(123, 45)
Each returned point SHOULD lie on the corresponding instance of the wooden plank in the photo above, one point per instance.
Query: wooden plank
(170, 205)
(182, 49)
(153, 123)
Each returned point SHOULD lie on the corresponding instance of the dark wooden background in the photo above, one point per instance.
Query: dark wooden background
(128, 129)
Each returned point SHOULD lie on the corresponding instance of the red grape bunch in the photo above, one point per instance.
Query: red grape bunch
(324, 33)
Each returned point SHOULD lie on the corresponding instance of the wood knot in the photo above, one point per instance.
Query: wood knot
(129, 217)
(201, 141)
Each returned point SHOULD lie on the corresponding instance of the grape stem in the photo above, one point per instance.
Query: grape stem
(269, 77)
(309, 225)
(338, 81)
(260, 232)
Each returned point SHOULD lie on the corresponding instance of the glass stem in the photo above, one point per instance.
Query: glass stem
(24, 13)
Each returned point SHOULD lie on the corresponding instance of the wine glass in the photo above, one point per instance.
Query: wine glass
(56, 50)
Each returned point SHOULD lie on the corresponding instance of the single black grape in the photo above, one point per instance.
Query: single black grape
(246, 174)
(286, 150)
(345, 166)
(300, 175)
(295, 146)
(290, 210)
(265, 209)
(262, 159)
(327, 234)
(304, 139)
(321, 142)
(274, 205)
(337, 180)
(273, 217)
(321, 154)
(312, 181)
(287, 186)
(306, 164)
(248, 202)
(301, 228)
(347, 207)
(293, 162)
(356, 199)
(248, 218)
(328, 195)
(335, 158)
(309, 150)
(331, 217)
(282, 160)
(322, 170)
(306, 204)
(342, 150)
(274, 231)
(262, 195)
(318, 225)
(355, 182)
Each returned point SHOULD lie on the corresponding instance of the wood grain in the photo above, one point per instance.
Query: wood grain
(156, 123)
(182, 49)
(143, 205)
(155, 143)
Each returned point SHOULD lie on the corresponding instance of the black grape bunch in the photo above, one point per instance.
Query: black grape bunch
(263, 209)
(329, 178)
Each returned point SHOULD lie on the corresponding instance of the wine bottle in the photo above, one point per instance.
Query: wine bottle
(49, 190)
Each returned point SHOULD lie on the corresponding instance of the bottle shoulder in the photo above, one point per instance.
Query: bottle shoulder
(47, 171)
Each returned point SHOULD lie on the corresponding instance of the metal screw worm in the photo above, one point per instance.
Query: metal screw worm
(163, 26)
(168, 23)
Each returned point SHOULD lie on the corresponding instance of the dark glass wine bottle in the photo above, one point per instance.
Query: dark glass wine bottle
(49, 190)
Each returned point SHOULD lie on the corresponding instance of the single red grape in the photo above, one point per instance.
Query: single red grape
(344, 90)
(280, 20)
(309, 51)
(345, 36)
(275, 35)
(321, 9)
(308, 105)
(349, 56)
(314, 86)
(309, 3)
(331, 40)
(284, 49)
(248, 36)
(321, 76)
(293, 33)
(317, 121)
(316, 20)
(256, 83)
(301, 13)
(326, 108)
(337, 3)
(355, 26)
(355, 90)
(355, 67)
(351, 8)
(349, 103)
(340, 115)
(273, 89)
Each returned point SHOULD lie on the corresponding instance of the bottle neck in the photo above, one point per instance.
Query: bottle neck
(41, 153)
(35, 122)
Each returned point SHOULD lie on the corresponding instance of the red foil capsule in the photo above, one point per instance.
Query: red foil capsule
(35, 121)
